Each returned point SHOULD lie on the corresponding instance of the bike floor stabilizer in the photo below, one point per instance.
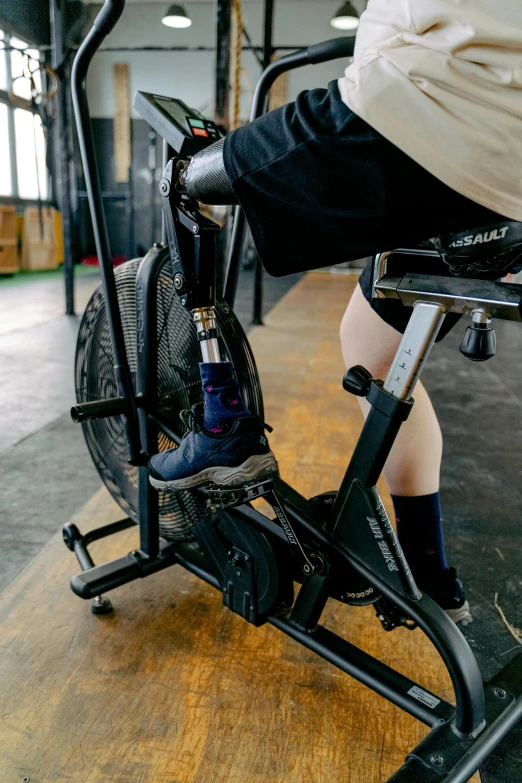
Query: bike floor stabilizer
(445, 756)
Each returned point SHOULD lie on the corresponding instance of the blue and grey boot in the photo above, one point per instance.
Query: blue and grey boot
(232, 458)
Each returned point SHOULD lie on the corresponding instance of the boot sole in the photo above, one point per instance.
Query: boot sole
(461, 616)
(255, 467)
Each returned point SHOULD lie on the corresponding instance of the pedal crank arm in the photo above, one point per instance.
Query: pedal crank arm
(306, 564)
(238, 496)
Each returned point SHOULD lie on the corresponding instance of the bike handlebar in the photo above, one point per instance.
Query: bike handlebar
(108, 16)
(103, 24)
(333, 49)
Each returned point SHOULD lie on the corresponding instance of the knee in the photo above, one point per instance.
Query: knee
(358, 350)
(366, 339)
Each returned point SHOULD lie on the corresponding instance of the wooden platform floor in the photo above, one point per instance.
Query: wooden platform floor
(173, 688)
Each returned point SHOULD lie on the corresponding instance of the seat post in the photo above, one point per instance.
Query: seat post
(414, 349)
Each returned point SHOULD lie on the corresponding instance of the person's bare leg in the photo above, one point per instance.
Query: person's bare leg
(413, 467)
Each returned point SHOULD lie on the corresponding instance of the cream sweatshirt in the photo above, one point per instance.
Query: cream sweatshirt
(442, 80)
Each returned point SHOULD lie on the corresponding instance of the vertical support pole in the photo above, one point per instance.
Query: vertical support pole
(267, 40)
(153, 165)
(167, 154)
(237, 242)
(414, 349)
(223, 33)
(222, 103)
(64, 145)
(11, 130)
(257, 316)
(147, 389)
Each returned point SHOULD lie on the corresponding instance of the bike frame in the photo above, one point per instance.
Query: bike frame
(359, 533)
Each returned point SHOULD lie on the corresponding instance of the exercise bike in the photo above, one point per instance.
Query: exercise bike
(140, 342)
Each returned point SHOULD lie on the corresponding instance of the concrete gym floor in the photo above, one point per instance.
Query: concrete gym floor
(479, 407)
(46, 472)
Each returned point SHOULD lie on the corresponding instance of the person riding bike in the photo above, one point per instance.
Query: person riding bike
(421, 137)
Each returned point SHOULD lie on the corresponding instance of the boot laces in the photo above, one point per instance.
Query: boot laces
(190, 421)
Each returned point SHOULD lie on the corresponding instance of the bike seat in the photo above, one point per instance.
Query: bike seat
(485, 251)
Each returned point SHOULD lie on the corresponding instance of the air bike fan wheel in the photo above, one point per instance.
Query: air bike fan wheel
(179, 386)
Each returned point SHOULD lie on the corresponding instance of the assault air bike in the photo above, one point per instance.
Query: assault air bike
(141, 339)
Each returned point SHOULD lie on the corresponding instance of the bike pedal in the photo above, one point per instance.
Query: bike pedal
(228, 497)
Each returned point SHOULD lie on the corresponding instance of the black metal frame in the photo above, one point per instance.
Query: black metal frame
(352, 545)
(63, 149)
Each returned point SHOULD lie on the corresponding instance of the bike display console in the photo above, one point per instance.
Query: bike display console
(186, 130)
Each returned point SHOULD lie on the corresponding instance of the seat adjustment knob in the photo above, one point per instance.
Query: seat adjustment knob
(479, 343)
(357, 381)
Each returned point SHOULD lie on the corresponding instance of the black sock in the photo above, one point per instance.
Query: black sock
(419, 529)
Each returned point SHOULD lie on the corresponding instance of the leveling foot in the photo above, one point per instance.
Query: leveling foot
(101, 605)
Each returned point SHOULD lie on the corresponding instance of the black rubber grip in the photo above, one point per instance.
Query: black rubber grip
(333, 49)
(99, 409)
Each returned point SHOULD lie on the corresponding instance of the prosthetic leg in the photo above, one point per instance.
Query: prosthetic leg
(191, 236)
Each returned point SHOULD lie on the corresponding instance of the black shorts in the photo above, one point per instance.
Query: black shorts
(319, 186)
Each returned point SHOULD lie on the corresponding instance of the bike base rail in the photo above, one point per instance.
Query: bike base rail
(443, 755)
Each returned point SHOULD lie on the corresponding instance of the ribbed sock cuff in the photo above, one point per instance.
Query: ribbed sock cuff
(216, 372)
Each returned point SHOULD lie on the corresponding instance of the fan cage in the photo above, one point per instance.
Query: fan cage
(178, 381)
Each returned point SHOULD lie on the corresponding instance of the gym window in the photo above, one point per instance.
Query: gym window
(23, 173)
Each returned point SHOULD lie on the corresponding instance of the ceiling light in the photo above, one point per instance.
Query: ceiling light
(176, 16)
(346, 18)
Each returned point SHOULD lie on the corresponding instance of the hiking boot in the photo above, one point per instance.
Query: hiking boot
(448, 592)
(230, 459)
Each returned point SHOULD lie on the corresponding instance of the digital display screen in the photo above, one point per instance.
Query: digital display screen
(174, 110)
(160, 109)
